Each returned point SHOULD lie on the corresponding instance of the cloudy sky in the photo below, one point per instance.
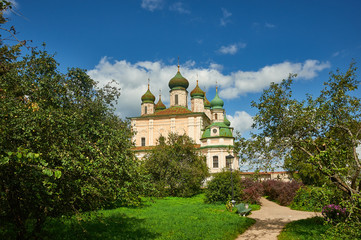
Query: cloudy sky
(242, 46)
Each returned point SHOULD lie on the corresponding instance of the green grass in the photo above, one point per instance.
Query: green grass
(167, 218)
(310, 228)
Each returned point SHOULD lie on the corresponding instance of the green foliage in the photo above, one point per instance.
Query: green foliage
(176, 168)
(348, 230)
(326, 129)
(305, 229)
(219, 188)
(62, 148)
(296, 163)
(229, 206)
(309, 198)
(334, 213)
(167, 218)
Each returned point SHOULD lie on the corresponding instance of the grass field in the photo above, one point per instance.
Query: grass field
(167, 218)
(304, 229)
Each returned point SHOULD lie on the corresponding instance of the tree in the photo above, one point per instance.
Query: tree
(62, 148)
(219, 188)
(326, 129)
(176, 167)
(296, 163)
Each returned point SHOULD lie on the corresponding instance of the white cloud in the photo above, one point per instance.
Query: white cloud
(232, 48)
(132, 79)
(246, 82)
(179, 7)
(269, 25)
(241, 121)
(152, 5)
(225, 17)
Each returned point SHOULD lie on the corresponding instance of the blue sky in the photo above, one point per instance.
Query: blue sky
(242, 45)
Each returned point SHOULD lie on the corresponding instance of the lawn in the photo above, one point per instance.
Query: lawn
(304, 229)
(167, 218)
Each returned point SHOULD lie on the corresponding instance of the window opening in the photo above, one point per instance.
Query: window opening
(143, 141)
(215, 161)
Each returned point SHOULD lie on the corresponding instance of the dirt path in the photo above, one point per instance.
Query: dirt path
(271, 219)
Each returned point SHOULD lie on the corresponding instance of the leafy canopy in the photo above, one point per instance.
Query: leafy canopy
(325, 129)
(62, 148)
(176, 167)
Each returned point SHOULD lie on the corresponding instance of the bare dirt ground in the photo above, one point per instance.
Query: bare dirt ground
(271, 219)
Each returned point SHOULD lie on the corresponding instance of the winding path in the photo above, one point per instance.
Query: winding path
(271, 219)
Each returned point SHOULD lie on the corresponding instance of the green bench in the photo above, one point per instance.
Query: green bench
(243, 209)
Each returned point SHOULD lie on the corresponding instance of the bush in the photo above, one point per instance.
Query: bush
(175, 167)
(252, 191)
(334, 213)
(344, 230)
(281, 192)
(309, 198)
(219, 189)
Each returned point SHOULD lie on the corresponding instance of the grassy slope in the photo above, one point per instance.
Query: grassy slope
(168, 218)
(304, 229)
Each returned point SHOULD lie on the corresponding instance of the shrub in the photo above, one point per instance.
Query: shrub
(176, 168)
(252, 191)
(309, 198)
(344, 230)
(334, 213)
(281, 192)
(219, 189)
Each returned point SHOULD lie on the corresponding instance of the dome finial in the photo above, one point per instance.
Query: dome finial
(178, 63)
(216, 86)
(148, 83)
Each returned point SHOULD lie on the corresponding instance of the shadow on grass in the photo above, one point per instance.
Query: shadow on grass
(310, 228)
(116, 226)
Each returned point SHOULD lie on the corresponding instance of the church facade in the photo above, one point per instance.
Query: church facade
(205, 122)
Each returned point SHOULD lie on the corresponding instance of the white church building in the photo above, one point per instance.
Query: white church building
(203, 121)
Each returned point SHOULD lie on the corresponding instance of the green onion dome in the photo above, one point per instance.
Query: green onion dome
(197, 92)
(207, 104)
(160, 106)
(148, 97)
(178, 82)
(217, 103)
(226, 121)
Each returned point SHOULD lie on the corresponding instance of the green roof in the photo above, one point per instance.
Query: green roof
(197, 92)
(217, 103)
(207, 104)
(224, 131)
(160, 105)
(178, 82)
(226, 121)
(148, 97)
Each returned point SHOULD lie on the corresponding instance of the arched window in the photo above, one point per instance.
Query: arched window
(176, 99)
(215, 116)
(215, 161)
(145, 110)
